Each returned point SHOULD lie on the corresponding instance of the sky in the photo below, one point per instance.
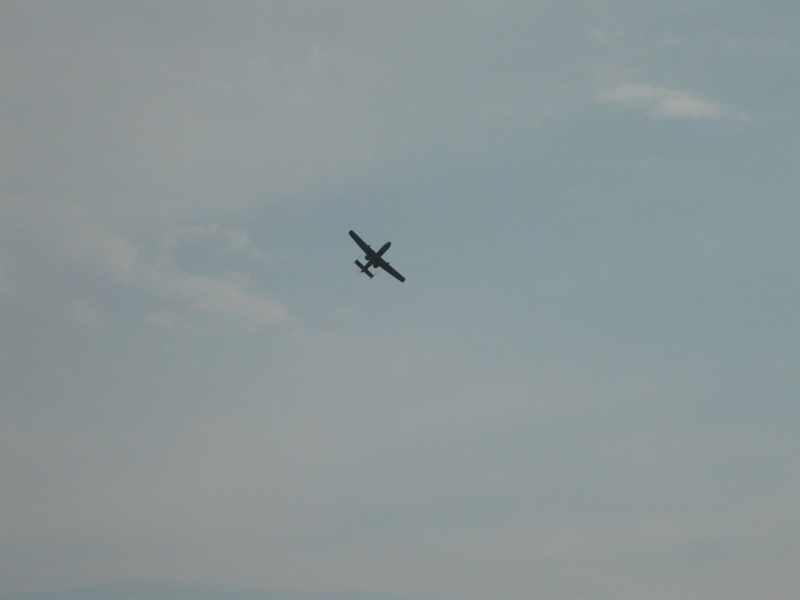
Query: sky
(587, 386)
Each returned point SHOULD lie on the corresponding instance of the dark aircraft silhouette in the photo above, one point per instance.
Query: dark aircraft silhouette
(374, 259)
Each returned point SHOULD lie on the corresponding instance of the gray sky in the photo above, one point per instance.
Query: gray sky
(588, 386)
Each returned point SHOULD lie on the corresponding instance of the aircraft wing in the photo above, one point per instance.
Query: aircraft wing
(360, 242)
(390, 270)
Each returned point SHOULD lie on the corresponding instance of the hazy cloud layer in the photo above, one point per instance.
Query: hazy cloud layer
(587, 386)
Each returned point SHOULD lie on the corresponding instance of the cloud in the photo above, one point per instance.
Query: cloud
(165, 120)
(208, 300)
(226, 241)
(219, 298)
(666, 103)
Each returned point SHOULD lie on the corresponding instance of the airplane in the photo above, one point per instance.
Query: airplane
(374, 259)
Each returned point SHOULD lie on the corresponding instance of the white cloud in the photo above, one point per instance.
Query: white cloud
(666, 103)
(220, 298)
(222, 240)
(209, 300)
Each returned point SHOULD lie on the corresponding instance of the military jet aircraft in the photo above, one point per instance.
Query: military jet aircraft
(374, 259)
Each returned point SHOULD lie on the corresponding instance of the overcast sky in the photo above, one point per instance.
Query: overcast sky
(587, 387)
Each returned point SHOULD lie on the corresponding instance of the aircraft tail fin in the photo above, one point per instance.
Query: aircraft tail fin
(364, 269)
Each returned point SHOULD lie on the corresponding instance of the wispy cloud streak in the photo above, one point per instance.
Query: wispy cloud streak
(216, 298)
(193, 300)
(667, 103)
